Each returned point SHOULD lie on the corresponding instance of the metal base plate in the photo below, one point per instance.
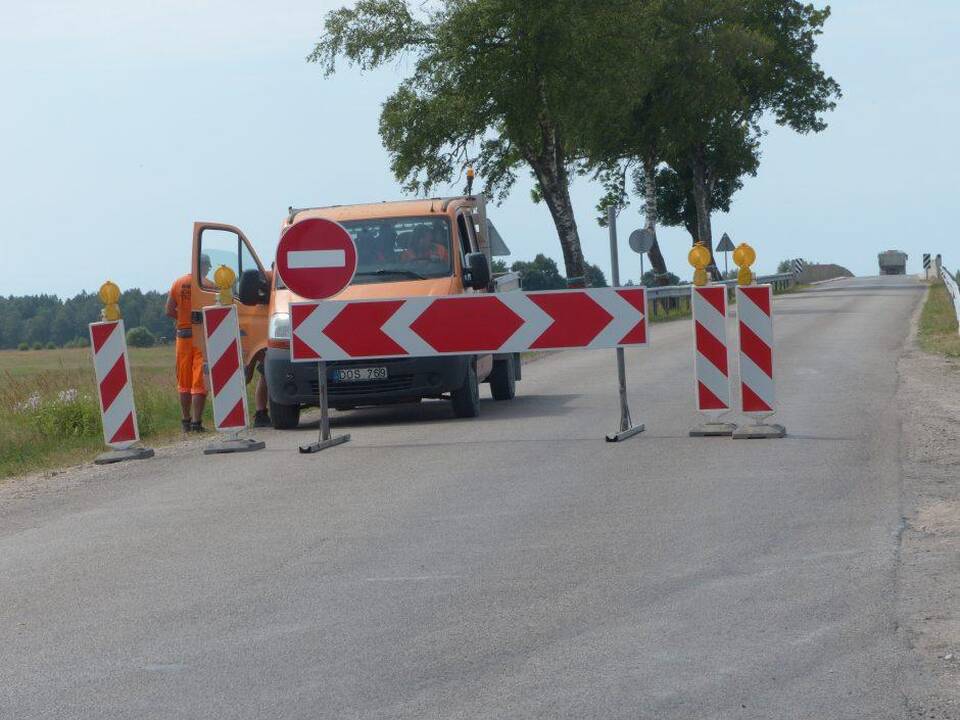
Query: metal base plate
(234, 445)
(759, 432)
(624, 434)
(324, 444)
(131, 453)
(713, 429)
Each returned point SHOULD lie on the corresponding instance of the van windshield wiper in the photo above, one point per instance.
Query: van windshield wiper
(403, 273)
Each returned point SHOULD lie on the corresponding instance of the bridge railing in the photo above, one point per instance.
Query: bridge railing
(951, 282)
(676, 298)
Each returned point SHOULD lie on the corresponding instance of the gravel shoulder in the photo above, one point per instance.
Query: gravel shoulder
(929, 573)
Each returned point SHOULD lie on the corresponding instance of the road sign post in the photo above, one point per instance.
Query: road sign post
(640, 242)
(316, 259)
(627, 428)
(725, 246)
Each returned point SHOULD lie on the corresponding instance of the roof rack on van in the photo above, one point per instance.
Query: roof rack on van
(292, 212)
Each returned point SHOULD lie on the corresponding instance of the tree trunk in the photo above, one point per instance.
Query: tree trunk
(550, 167)
(657, 262)
(701, 190)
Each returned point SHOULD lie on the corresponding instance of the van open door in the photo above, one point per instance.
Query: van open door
(215, 244)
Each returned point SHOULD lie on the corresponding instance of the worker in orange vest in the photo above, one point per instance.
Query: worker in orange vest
(190, 384)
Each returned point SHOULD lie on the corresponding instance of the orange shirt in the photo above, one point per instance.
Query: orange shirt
(180, 294)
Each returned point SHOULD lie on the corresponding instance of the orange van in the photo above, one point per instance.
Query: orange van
(440, 246)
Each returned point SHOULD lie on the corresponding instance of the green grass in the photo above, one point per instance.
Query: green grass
(938, 323)
(50, 415)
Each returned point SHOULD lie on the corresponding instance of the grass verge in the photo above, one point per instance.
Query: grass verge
(49, 414)
(938, 323)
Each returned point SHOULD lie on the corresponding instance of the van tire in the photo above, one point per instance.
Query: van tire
(503, 379)
(284, 417)
(466, 398)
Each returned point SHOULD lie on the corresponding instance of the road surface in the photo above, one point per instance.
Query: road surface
(511, 566)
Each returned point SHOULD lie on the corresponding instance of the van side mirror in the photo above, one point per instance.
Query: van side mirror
(253, 289)
(477, 273)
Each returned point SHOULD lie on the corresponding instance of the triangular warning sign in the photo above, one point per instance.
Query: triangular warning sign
(726, 244)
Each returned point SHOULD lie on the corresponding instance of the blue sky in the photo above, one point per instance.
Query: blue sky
(123, 121)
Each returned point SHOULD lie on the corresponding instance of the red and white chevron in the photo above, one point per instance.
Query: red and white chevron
(114, 390)
(712, 356)
(755, 320)
(228, 389)
(467, 324)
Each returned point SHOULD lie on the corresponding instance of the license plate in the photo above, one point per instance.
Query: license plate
(361, 374)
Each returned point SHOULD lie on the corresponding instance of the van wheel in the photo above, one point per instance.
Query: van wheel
(503, 379)
(284, 417)
(466, 398)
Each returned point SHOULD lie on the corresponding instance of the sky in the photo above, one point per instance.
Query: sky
(124, 121)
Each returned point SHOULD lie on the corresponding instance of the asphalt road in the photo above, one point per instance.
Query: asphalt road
(511, 566)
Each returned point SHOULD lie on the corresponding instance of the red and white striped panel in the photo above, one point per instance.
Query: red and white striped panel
(755, 321)
(228, 388)
(712, 356)
(468, 324)
(112, 367)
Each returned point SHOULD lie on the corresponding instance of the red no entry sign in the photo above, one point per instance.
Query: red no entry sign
(316, 258)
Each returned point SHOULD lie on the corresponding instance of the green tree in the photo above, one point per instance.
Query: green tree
(595, 276)
(708, 72)
(541, 273)
(140, 337)
(502, 84)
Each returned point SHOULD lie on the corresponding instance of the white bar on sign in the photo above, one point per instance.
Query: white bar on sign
(299, 259)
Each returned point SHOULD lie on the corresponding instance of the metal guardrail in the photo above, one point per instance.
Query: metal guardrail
(677, 297)
(951, 282)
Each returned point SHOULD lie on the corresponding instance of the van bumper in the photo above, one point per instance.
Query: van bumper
(410, 379)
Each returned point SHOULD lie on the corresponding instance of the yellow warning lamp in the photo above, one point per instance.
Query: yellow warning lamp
(224, 278)
(110, 296)
(744, 256)
(699, 257)
(470, 176)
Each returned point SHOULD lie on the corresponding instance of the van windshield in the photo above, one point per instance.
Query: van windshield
(397, 249)
(392, 249)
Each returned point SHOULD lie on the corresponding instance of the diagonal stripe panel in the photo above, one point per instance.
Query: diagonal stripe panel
(225, 366)
(114, 390)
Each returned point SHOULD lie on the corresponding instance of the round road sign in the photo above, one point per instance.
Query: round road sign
(642, 240)
(316, 258)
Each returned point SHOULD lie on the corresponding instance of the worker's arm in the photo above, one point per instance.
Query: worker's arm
(172, 304)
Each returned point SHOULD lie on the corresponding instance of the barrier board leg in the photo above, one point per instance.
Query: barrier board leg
(755, 323)
(325, 441)
(627, 428)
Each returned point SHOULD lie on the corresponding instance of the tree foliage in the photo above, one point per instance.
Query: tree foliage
(502, 84)
(44, 319)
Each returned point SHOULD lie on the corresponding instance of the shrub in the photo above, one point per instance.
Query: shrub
(140, 337)
(38, 345)
(23, 346)
(51, 345)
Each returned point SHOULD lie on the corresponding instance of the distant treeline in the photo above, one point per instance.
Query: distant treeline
(42, 320)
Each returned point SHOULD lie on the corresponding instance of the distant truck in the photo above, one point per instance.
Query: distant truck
(893, 262)
(395, 259)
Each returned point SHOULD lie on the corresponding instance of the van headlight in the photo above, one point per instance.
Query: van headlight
(279, 328)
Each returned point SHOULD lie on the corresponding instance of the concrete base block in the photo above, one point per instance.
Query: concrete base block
(624, 434)
(759, 431)
(233, 445)
(324, 444)
(713, 429)
(131, 453)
